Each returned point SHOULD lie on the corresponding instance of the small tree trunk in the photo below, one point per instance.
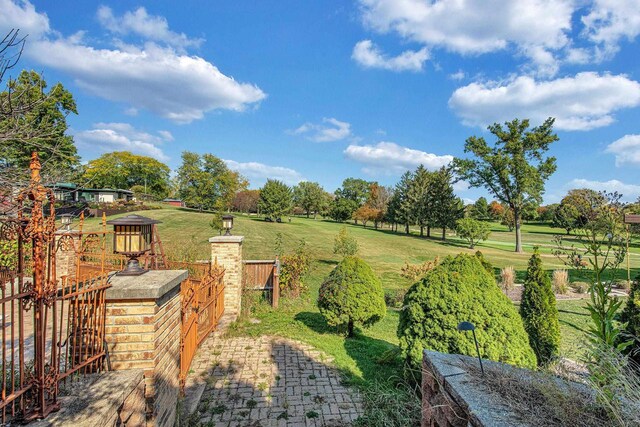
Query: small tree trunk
(350, 328)
(406, 228)
(516, 218)
(422, 231)
(444, 235)
(428, 231)
(308, 214)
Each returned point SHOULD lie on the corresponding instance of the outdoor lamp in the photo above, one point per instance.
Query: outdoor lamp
(132, 237)
(227, 224)
(468, 326)
(66, 220)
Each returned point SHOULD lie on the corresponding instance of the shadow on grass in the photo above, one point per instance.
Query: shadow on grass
(328, 261)
(377, 359)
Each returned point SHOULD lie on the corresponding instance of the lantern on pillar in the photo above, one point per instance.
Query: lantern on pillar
(132, 237)
(227, 224)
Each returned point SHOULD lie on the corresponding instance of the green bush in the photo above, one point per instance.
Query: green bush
(472, 230)
(352, 294)
(539, 312)
(485, 264)
(461, 289)
(631, 316)
(344, 244)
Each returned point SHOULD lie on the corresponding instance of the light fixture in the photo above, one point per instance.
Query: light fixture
(66, 220)
(132, 237)
(227, 224)
(468, 326)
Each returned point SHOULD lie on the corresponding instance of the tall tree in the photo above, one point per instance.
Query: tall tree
(378, 201)
(480, 209)
(446, 207)
(32, 119)
(276, 199)
(514, 169)
(353, 194)
(421, 198)
(246, 201)
(205, 182)
(308, 196)
(122, 169)
(401, 206)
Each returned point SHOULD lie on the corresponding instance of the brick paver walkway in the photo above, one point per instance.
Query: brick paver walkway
(269, 381)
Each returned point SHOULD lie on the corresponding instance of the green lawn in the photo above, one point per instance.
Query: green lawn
(185, 233)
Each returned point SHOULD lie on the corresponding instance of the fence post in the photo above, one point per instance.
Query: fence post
(275, 293)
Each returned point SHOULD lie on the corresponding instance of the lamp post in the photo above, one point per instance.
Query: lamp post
(66, 220)
(227, 224)
(132, 237)
(468, 326)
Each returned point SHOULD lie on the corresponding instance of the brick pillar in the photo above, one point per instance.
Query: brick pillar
(227, 250)
(143, 328)
(67, 243)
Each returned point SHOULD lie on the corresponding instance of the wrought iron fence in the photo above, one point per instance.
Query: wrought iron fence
(52, 327)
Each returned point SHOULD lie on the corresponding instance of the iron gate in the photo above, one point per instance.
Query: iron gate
(52, 328)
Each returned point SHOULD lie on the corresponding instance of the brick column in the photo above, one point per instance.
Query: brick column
(143, 328)
(227, 250)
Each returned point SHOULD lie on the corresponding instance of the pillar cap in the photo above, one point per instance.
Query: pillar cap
(226, 239)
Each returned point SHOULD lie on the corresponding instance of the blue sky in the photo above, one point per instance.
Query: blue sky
(323, 90)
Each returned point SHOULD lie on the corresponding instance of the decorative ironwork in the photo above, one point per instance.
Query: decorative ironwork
(40, 311)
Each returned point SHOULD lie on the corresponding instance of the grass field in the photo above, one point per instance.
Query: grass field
(186, 232)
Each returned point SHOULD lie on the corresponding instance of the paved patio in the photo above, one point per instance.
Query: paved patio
(268, 381)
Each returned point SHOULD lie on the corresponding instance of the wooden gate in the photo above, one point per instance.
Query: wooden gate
(262, 275)
(202, 298)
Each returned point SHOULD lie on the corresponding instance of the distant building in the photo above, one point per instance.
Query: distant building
(68, 192)
(175, 202)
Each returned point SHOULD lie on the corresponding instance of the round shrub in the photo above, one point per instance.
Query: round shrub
(539, 312)
(352, 294)
(461, 289)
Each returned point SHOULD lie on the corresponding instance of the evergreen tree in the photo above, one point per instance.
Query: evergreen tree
(631, 317)
(446, 207)
(539, 312)
(480, 209)
(420, 198)
(276, 199)
(401, 202)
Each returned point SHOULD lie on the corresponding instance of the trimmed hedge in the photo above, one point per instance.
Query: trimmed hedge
(461, 289)
(352, 294)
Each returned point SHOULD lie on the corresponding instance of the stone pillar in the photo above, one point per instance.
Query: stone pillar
(227, 250)
(143, 328)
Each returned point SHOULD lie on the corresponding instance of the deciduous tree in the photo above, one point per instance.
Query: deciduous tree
(276, 199)
(309, 197)
(514, 169)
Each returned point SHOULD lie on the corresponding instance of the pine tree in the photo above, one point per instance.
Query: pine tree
(446, 208)
(419, 197)
(539, 312)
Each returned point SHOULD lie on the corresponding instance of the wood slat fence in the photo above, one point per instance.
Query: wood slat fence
(263, 275)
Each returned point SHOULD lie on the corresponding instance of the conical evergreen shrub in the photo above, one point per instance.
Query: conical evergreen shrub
(539, 312)
(631, 316)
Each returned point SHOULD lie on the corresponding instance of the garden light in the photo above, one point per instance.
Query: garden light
(468, 326)
(132, 237)
(227, 224)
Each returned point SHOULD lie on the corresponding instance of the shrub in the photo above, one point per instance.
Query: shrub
(472, 230)
(485, 264)
(415, 271)
(631, 316)
(345, 244)
(539, 312)
(507, 278)
(293, 268)
(352, 294)
(560, 282)
(461, 289)
(580, 287)
(394, 297)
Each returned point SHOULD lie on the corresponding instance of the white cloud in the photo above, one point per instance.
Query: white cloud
(458, 75)
(123, 137)
(148, 26)
(368, 55)
(630, 191)
(626, 150)
(170, 84)
(476, 27)
(610, 21)
(332, 130)
(583, 102)
(389, 157)
(262, 172)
